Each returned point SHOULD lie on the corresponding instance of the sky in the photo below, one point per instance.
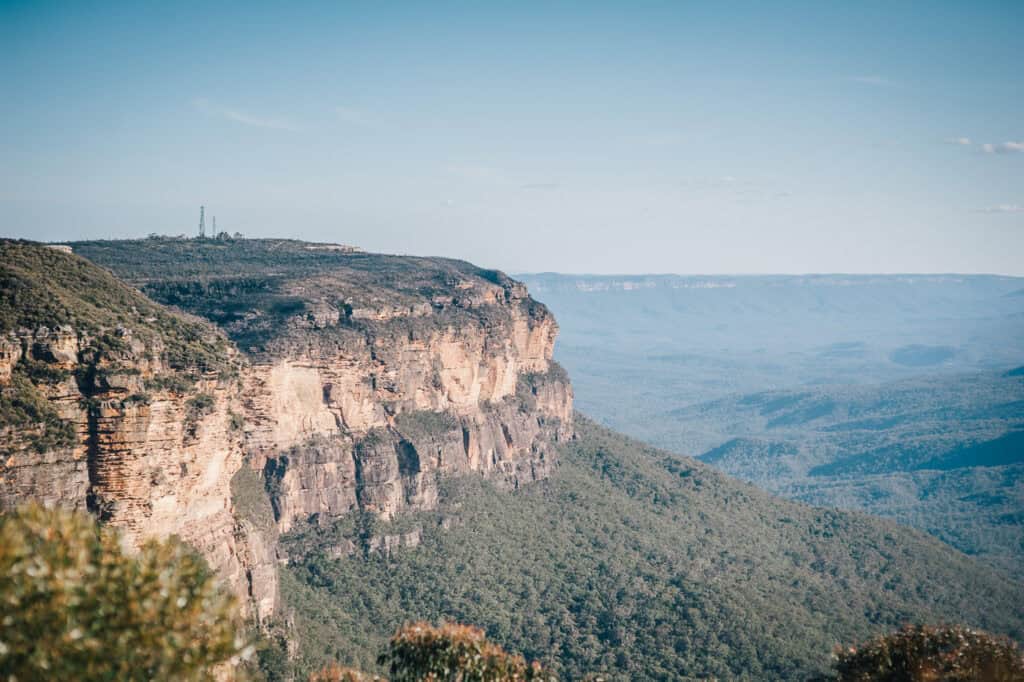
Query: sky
(599, 137)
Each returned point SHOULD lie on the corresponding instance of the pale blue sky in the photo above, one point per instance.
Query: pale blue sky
(590, 136)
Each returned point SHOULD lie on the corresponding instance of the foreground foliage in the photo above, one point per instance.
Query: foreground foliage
(924, 654)
(461, 653)
(75, 606)
(453, 652)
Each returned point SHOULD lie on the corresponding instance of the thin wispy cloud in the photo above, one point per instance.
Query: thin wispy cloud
(1003, 148)
(242, 117)
(720, 182)
(1003, 208)
(962, 141)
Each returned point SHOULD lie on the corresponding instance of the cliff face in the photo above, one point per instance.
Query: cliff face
(368, 422)
(148, 460)
(369, 375)
(361, 379)
(118, 407)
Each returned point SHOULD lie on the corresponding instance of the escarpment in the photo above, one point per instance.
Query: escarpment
(364, 414)
(369, 375)
(340, 381)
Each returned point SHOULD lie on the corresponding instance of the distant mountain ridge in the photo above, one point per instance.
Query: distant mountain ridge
(553, 281)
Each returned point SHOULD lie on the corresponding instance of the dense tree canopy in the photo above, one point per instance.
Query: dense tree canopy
(633, 564)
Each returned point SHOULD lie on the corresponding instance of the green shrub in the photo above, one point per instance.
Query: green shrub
(201, 404)
(425, 423)
(923, 654)
(196, 408)
(137, 399)
(174, 382)
(337, 673)
(459, 653)
(75, 606)
(39, 372)
(26, 410)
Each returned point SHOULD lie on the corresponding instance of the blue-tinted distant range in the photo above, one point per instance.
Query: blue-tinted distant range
(898, 395)
(572, 137)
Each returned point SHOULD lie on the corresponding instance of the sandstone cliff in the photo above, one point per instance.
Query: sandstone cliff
(364, 416)
(360, 379)
(117, 407)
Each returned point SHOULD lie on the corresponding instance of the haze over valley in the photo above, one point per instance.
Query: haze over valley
(898, 395)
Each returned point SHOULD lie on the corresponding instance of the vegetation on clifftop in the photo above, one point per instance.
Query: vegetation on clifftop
(44, 287)
(269, 293)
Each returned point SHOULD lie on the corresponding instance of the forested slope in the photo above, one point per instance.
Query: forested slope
(639, 565)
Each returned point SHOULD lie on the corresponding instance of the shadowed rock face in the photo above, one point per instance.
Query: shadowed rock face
(362, 378)
(394, 466)
(369, 425)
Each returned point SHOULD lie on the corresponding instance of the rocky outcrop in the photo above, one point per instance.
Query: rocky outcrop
(147, 459)
(394, 467)
(370, 425)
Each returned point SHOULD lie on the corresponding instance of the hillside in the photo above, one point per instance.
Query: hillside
(943, 454)
(113, 403)
(638, 564)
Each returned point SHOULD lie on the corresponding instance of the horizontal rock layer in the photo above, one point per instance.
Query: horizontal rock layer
(148, 460)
